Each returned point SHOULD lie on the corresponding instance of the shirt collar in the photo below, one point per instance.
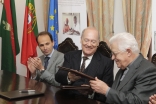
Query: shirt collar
(50, 54)
(89, 57)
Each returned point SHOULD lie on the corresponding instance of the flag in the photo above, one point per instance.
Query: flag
(8, 33)
(53, 21)
(30, 32)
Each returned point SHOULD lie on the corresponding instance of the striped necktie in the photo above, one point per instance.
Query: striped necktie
(83, 63)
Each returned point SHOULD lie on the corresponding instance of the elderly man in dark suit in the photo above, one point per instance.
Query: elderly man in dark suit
(96, 64)
(136, 79)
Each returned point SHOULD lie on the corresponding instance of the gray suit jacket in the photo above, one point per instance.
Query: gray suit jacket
(137, 86)
(48, 76)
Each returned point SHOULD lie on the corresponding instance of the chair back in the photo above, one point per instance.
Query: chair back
(154, 59)
(104, 49)
(67, 45)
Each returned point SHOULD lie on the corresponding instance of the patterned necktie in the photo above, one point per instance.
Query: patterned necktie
(83, 64)
(46, 62)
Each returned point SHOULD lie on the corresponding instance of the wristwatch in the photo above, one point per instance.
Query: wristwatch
(41, 71)
(69, 82)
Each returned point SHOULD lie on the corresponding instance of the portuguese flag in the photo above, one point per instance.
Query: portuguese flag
(8, 33)
(30, 32)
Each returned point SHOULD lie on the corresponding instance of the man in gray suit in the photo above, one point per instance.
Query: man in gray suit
(43, 68)
(136, 79)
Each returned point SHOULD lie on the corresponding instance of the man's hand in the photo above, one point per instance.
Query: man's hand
(38, 63)
(86, 91)
(152, 99)
(31, 66)
(99, 86)
(72, 77)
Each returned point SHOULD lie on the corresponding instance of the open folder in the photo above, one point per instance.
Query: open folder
(77, 73)
(74, 87)
(18, 95)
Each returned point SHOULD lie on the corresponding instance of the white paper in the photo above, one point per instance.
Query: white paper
(67, 9)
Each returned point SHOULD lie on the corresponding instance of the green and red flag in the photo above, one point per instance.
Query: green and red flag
(8, 33)
(30, 32)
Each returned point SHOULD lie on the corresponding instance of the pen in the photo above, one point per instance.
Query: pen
(26, 91)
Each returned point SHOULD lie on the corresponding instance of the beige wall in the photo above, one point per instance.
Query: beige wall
(118, 23)
(153, 26)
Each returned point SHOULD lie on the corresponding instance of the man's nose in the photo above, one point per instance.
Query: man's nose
(89, 43)
(45, 47)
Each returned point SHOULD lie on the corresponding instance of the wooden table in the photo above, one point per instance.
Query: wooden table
(52, 95)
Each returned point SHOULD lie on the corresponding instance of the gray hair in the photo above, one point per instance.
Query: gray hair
(125, 41)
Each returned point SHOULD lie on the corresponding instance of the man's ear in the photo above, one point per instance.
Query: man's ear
(98, 44)
(53, 43)
(129, 52)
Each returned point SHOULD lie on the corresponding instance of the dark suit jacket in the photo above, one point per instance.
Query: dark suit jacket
(100, 66)
(137, 86)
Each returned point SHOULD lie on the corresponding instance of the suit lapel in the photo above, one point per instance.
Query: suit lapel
(132, 70)
(94, 64)
(127, 77)
(52, 59)
(117, 79)
(77, 60)
(42, 59)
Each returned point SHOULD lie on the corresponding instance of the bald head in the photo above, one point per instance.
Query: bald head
(90, 29)
(89, 41)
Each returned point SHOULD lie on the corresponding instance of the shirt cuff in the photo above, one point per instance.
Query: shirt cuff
(107, 91)
(35, 76)
(69, 82)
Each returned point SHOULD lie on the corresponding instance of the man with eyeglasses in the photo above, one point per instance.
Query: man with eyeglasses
(136, 78)
(96, 65)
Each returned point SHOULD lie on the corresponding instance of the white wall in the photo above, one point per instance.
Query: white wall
(20, 11)
(153, 27)
(118, 17)
(118, 23)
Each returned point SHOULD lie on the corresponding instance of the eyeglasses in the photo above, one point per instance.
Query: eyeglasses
(115, 53)
(93, 42)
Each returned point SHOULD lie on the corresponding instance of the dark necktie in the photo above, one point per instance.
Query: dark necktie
(123, 75)
(46, 62)
(83, 63)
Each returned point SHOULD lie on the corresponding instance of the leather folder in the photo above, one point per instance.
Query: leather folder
(17, 95)
(77, 73)
(74, 87)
